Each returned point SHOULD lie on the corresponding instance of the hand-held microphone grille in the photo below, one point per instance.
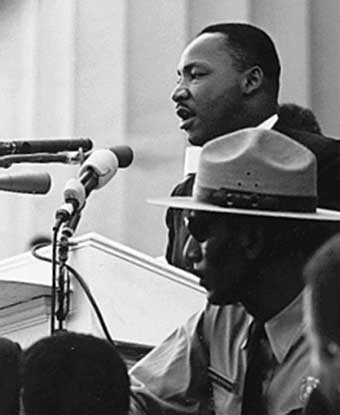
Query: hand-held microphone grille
(35, 183)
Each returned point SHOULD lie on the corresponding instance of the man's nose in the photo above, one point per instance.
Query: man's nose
(192, 252)
(181, 92)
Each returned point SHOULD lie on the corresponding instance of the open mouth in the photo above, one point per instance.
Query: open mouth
(186, 115)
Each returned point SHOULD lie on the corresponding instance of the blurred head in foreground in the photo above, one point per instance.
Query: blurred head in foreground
(322, 310)
(10, 353)
(71, 374)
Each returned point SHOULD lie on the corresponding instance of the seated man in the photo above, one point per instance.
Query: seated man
(73, 374)
(322, 294)
(253, 223)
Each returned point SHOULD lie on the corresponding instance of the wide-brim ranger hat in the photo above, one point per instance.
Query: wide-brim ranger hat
(255, 172)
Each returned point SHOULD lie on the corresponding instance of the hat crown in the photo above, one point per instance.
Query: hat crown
(255, 172)
(257, 161)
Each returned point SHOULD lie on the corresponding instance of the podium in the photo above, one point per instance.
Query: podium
(142, 300)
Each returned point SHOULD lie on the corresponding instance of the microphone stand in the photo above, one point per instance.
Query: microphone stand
(61, 283)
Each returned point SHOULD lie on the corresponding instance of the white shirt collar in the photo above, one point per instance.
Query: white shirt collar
(269, 123)
(192, 153)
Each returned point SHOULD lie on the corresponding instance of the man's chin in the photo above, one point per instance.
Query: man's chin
(197, 139)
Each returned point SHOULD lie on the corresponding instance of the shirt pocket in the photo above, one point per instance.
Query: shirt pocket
(225, 393)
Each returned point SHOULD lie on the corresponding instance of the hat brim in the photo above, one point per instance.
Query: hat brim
(185, 202)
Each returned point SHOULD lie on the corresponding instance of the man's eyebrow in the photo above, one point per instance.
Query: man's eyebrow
(188, 67)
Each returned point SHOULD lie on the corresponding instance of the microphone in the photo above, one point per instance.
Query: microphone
(35, 183)
(45, 145)
(123, 153)
(96, 171)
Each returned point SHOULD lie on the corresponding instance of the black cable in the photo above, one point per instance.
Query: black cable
(84, 286)
(55, 230)
(93, 302)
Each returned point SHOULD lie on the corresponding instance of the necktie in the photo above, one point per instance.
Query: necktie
(257, 362)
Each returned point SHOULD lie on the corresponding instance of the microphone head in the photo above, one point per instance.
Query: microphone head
(104, 163)
(74, 191)
(34, 183)
(124, 155)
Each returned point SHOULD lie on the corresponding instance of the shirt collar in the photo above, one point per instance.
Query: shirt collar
(269, 123)
(192, 153)
(284, 329)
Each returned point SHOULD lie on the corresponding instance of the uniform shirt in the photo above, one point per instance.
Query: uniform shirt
(200, 368)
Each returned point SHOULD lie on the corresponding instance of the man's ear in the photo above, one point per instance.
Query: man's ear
(253, 79)
(252, 241)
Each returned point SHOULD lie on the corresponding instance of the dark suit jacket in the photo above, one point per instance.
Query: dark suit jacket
(327, 152)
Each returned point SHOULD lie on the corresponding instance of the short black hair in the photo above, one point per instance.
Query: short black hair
(249, 46)
(73, 373)
(299, 118)
(322, 275)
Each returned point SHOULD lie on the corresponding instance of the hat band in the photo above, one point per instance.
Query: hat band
(251, 200)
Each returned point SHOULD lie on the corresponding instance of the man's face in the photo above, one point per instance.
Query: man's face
(208, 94)
(213, 252)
